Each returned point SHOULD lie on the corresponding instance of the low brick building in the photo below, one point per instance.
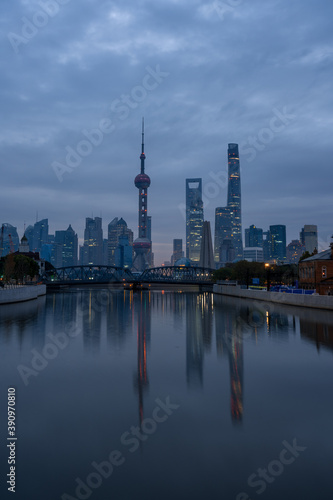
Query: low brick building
(316, 272)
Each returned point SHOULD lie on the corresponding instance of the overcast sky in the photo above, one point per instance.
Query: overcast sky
(203, 74)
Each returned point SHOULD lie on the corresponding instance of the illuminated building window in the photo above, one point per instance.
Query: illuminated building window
(324, 272)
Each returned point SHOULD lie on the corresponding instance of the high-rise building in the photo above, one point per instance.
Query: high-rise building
(278, 242)
(116, 228)
(105, 251)
(92, 250)
(234, 199)
(68, 242)
(227, 252)
(48, 254)
(254, 237)
(123, 254)
(295, 250)
(177, 251)
(194, 218)
(309, 237)
(222, 230)
(29, 233)
(253, 254)
(267, 247)
(206, 253)
(40, 235)
(142, 245)
(9, 240)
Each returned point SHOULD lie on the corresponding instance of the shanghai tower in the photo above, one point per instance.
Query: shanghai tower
(142, 245)
(234, 199)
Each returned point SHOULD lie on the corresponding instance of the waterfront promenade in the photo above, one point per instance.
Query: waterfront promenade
(315, 301)
(20, 293)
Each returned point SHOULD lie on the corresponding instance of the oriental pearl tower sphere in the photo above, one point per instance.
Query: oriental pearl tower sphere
(142, 244)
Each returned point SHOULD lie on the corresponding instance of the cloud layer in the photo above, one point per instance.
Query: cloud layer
(229, 71)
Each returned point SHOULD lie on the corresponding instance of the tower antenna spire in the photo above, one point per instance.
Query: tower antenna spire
(143, 156)
(143, 135)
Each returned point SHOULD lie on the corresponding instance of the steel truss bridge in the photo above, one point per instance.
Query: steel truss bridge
(76, 275)
(177, 274)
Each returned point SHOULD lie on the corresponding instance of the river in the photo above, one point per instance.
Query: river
(159, 395)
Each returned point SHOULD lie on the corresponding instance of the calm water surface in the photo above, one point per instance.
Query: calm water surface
(200, 397)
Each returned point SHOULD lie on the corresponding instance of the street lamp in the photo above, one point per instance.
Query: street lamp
(268, 275)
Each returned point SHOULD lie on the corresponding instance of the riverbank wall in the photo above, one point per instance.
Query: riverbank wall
(22, 293)
(314, 301)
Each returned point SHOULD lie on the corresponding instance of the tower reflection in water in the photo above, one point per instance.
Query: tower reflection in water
(142, 308)
(229, 340)
(199, 329)
(194, 341)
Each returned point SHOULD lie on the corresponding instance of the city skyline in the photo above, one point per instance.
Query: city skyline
(185, 73)
(39, 237)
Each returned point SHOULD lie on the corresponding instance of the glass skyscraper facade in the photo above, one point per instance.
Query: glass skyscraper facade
(68, 242)
(234, 199)
(40, 235)
(194, 218)
(116, 228)
(92, 250)
(254, 237)
(177, 251)
(9, 239)
(309, 237)
(278, 242)
(222, 230)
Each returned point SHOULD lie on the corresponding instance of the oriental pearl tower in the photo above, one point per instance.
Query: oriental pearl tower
(142, 244)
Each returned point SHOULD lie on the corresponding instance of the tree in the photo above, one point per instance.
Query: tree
(19, 267)
(8, 267)
(224, 273)
(242, 271)
(305, 255)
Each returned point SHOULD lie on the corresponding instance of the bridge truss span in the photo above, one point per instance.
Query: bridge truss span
(87, 274)
(175, 274)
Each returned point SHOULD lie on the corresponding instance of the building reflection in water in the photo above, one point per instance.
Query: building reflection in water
(317, 328)
(229, 341)
(142, 308)
(91, 320)
(119, 318)
(239, 320)
(194, 340)
(64, 308)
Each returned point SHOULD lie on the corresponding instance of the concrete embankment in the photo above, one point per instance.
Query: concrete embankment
(315, 301)
(21, 293)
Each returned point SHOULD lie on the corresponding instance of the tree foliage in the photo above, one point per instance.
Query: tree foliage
(307, 254)
(18, 267)
(244, 271)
